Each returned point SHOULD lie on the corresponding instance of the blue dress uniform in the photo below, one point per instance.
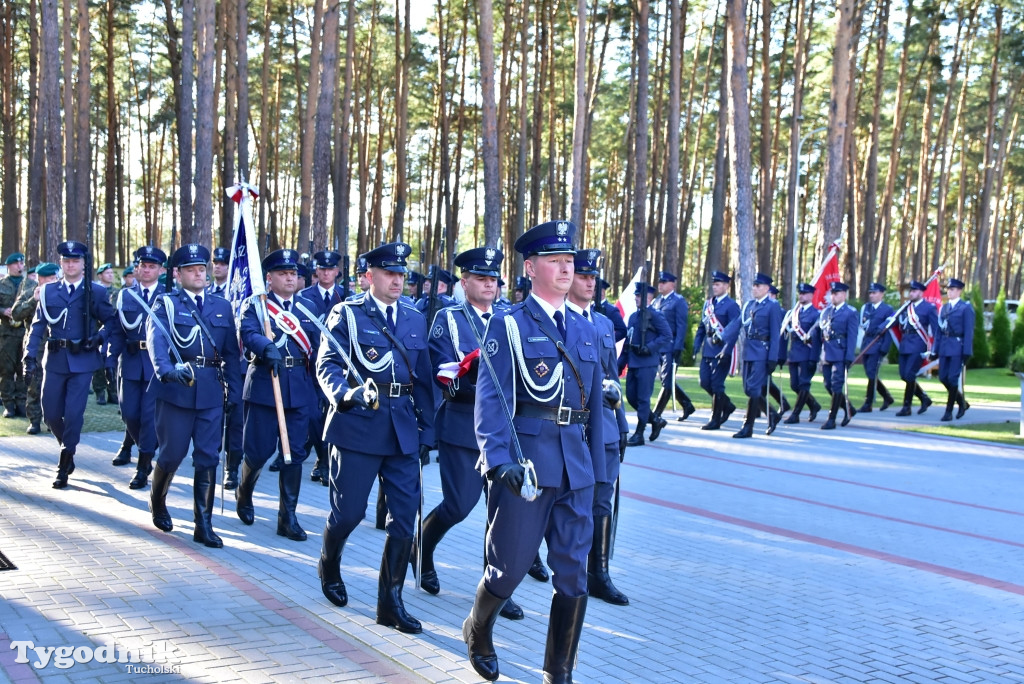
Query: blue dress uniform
(760, 322)
(443, 299)
(874, 321)
(190, 401)
(839, 325)
(676, 310)
(234, 428)
(954, 344)
(641, 353)
(547, 372)
(917, 322)
(804, 335)
(288, 356)
(716, 353)
(780, 362)
(72, 355)
(611, 311)
(387, 343)
(322, 302)
(127, 354)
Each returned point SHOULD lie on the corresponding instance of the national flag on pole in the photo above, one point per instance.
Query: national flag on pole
(245, 272)
(827, 274)
(627, 303)
(932, 290)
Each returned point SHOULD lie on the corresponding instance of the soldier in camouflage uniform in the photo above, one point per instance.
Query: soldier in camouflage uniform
(24, 311)
(12, 334)
(103, 386)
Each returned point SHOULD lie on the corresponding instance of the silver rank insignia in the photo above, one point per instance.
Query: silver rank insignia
(541, 369)
(438, 331)
(372, 354)
(491, 347)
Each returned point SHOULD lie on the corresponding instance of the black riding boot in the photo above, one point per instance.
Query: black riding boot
(848, 411)
(203, 487)
(794, 417)
(637, 438)
(663, 398)
(289, 479)
(329, 569)
(951, 399)
(564, 628)
(716, 417)
(685, 402)
(231, 463)
(887, 399)
(813, 406)
(926, 401)
(477, 631)
(774, 417)
(124, 454)
(390, 608)
(753, 408)
(962, 405)
(158, 498)
(657, 423)
(243, 493)
(908, 396)
(142, 470)
(869, 398)
(599, 582)
(65, 466)
(321, 471)
(830, 424)
(727, 407)
(382, 509)
(434, 530)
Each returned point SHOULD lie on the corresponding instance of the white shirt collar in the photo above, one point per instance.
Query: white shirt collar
(481, 312)
(578, 309)
(76, 284)
(953, 302)
(323, 291)
(548, 309)
(192, 295)
(381, 305)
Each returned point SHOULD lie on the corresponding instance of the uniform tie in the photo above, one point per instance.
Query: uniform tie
(71, 290)
(560, 324)
(199, 303)
(327, 299)
(486, 316)
(586, 314)
(391, 318)
(145, 295)
(287, 304)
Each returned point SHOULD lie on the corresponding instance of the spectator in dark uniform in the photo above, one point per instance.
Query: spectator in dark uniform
(24, 310)
(716, 356)
(954, 344)
(839, 323)
(72, 351)
(873, 320)
(191, 395)
(804, 352)
(128, 360)
(543, 361)
(760, 321)
(219, 284)
(918, 323)
(286, 355)
(128, 276)
(522, 289)
(387, 340)
(105, 388)
(676, 310)
(641, 354)
(12, 338)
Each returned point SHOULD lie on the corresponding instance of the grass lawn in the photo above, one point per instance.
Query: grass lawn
(982, 385)
(1003, 433)
(97, 419)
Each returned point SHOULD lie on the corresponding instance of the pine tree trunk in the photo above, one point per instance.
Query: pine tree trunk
(981, 263)
(639, 249)
(324, 125)
(492, 179)
(11, 242)
(842, 82)
(201, 231)
(49, 103)
(741, 201)
(579, 128)
(242, 111)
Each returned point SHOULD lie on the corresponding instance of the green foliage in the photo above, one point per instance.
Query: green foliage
(1001, 336)
(1018, 331)
(981, 356)
(1016, 362)
(695, 298)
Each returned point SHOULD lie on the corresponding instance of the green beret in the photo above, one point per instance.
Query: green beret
(47, 269)
(102, 268)
(129, 271)
(17, 256)
(33, 269)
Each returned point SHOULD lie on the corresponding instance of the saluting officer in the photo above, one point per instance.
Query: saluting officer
(323, 295)
(676, 310)
(760, 321)
(616, 429)
(716, 355)
(918, 323)
(954, 344)
(24, 310)
(12, 337)
(191, 395)
(286, 355)
(804, 335)
(454, 338)
(873, 318)
(128, 356)
(641, 354)
(839, 323)
(386, 340)
(546, 367)
(72, 351)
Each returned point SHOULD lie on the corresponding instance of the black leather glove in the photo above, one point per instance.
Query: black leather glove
(716, 339)
(229, 406)
(772, 365)
(356, 396)
(94, 342)
(108, 373)
(30, 366)
(623, 437)
(511, 475)
(643, 350)
(424, 454)
(272, 358)
(178, 375)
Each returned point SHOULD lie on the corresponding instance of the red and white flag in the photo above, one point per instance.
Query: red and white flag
(627, 303)
(827, 274)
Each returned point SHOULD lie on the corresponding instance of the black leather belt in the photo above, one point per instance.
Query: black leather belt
(294, 361)
(137, 346)
(73, 345)
(759, 338)
(460, 399)
(397, 389)
(563, 415)
(203, 362)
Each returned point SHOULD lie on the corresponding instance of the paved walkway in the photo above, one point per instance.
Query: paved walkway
(865, 555)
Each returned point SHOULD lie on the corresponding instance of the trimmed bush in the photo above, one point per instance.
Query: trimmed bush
(1017, 361)
(1018, 331)
(1001, 337)
(982, 357)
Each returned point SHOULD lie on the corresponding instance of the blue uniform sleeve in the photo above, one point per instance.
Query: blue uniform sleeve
(330, 369)
(774, 325)
(36, 331)
(682, 325)
(423, 391)
(157, 343)
(852, 326)
(252, 333)
(968, 314)
(102, 310)
(493, 394)
(663, 334)
(116, 339)
(232, 367)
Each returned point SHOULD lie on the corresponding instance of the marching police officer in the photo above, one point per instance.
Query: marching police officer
(543, 360)
(873, 321)
(760, 320)
(610, 310)
(128, 357)
(454, 343)
(839, 323)
(323, 295)
(647, 336)
(105, 388)
(801, 327)
(287, 355)
(716, 355)
(676, 310)
(72, 354)
(194, 352)
(219, 285)
(24, 310)
(954, 344)
(773, 390)
(616, 429)
(12, 337)
(445, 281)
(387, 340)
(918, 323)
